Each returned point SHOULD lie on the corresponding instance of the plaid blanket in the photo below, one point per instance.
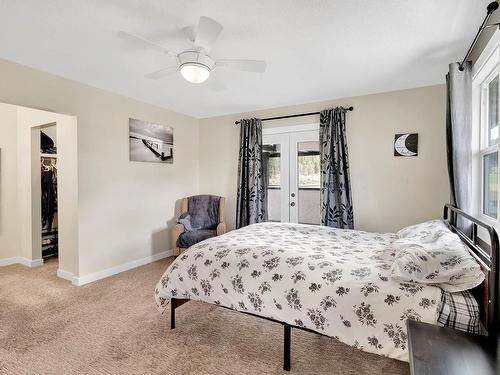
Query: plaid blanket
(460, 311)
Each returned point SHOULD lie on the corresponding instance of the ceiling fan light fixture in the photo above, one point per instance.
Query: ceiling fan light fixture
(195, 64)
(195, 72)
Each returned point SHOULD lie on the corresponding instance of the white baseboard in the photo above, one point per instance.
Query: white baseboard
(91, 277)
(34, 262)
(21, 260)
(9, 261)
(64, 274)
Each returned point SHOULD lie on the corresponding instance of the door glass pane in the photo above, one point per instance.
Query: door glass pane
(272, 167)
(308, 174)
(490, 184)
(492, 131)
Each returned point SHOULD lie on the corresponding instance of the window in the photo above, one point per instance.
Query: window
(492, 95)
(272, 156)
(486, 96)
(489, 144)
(490, 184)
(274, 172)
(309, 171)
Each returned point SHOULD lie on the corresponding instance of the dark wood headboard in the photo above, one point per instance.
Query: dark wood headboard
(487, 256)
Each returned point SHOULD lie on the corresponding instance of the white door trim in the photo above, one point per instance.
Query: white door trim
(290, 129)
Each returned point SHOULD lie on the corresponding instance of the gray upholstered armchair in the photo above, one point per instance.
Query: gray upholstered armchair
(207, 220)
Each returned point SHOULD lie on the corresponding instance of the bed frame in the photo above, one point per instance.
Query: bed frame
(486, 255)
(486, 294)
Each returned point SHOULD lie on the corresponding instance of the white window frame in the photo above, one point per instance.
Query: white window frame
(485, 70)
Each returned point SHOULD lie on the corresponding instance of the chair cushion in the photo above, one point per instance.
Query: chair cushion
(204, 211)
(185, 219)
(188, 239)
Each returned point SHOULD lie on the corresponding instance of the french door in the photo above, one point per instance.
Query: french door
(292, 167)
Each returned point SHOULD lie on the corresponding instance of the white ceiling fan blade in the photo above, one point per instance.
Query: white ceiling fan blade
(215, 85)
(141, 40)
(190, 33)
(256, 66)
(161, 73)
(207, 33)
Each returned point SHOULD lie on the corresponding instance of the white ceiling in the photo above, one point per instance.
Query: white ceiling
(315, 49)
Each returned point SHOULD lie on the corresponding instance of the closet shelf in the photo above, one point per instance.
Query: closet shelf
(48, 156)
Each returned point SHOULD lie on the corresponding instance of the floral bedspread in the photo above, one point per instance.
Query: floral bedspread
(332, 281)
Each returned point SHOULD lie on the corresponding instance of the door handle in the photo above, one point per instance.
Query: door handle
(293, 195)
(292, 204)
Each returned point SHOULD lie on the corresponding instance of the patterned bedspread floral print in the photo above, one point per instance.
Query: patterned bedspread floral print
(336, 282)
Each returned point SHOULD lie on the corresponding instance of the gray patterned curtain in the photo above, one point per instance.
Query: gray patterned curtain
(251, 199)
(459, 137)
(336, 197)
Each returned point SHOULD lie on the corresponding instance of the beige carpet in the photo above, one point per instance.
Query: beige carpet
(48, 326)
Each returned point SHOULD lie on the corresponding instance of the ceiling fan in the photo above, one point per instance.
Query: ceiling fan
(195, 64)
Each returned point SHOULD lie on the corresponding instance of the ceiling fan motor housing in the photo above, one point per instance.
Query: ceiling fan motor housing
(195, 57)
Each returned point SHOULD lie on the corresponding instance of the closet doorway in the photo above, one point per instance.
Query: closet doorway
(21, 222)
(49, 192)
(292, 168)
(59, 214)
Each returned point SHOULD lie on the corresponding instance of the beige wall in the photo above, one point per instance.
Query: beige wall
(124, 207)
(9, 233)
(389, 192)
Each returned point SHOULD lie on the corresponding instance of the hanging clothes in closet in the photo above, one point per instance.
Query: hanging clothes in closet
(48, 179)
(49, 194)
(50, 241)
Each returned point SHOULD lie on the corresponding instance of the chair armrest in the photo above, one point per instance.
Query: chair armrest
(175, 232)
(221, 228)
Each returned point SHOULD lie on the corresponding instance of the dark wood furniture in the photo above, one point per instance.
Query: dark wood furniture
(444, 351)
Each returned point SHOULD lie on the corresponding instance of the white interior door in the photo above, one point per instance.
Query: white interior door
(293, 173)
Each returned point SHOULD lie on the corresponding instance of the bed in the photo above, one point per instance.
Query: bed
(329, 281)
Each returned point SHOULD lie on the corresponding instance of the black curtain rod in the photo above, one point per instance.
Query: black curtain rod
(351, 108)
(489, 9)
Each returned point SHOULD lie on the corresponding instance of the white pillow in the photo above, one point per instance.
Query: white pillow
(425, 231)
(434, 255)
